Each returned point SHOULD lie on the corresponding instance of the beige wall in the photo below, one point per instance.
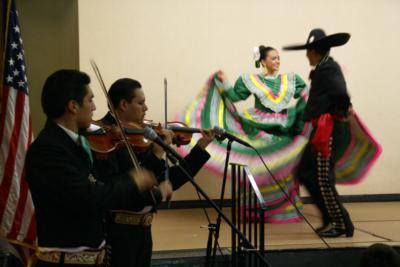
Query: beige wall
(186, 40)
(50, 35)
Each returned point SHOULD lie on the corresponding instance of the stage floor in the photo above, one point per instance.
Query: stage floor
(378, 222)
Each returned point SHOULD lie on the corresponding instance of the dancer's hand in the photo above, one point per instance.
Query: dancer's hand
(350, 111)
(221, 76)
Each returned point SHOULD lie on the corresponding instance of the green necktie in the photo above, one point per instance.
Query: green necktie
(85, 145)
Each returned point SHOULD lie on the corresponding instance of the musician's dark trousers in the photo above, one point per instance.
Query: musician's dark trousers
(317, 174)
(131, 245)
(48, 264)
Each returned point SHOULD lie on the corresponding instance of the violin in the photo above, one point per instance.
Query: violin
(182, 134)
(104, 139)
(107, 139)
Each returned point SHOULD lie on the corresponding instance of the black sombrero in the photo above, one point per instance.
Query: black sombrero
(318, 39)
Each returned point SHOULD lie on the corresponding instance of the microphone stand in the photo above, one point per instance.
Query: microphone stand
(214, 228)
(246, 242)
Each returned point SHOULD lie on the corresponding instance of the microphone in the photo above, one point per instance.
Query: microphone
(153, 136)
(221, 133)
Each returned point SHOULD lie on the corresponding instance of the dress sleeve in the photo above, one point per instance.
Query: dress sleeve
(301, 95)
(301, 87)
(238, 92)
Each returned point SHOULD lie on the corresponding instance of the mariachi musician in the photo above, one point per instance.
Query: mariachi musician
(70, 202)
(129, 233)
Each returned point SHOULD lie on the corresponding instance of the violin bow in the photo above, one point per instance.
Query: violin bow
(165, 126)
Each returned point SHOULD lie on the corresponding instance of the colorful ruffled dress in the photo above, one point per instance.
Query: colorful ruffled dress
(274, 126)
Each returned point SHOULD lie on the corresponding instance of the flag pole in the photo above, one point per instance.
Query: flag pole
(22, 235)
(3, 40)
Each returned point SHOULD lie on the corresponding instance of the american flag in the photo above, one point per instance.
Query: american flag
(17, 221)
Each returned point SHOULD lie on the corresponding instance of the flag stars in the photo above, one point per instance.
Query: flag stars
(16, 29)
(21, 83)
(9, 79)
(14, 45)
(23, 67)
(11, 62)
(16, 72)
(20, 56)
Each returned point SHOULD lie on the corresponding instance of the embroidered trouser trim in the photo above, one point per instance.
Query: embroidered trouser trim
(328, 192)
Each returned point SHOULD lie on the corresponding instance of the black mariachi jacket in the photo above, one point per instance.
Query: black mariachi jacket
(119, 161)
(328, 93)
(69, 203)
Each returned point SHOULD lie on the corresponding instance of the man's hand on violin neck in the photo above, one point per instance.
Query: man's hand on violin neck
(144, 179)
(167, 136)
(165, 188)
(207, 138)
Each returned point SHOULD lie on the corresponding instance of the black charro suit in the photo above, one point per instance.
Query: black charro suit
(328, 94)
(70, 205)
(131, 245)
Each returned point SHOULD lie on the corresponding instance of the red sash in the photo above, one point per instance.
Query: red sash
(323, 126)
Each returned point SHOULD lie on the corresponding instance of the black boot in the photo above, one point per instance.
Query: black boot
(336, 232)
(322, 228)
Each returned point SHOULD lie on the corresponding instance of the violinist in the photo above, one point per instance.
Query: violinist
(129, 234)
(70, 203)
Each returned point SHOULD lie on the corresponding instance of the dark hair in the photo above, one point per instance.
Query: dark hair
(264, 50)
(381, 255)
(61, 87)
(123, 89)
